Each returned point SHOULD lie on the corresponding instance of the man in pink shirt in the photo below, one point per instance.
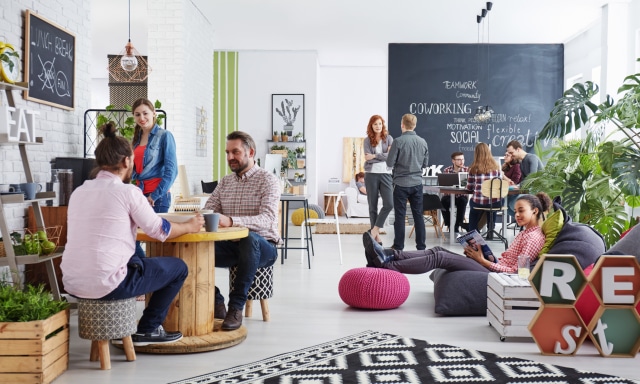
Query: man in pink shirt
(103, 218)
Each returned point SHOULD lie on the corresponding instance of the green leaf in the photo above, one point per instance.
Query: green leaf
(157, 104)
(570, 112)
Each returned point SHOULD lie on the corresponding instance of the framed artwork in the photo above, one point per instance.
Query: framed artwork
(287, 114)
(50, 58)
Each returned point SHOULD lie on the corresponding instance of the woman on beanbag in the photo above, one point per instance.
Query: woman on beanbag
(529, 214)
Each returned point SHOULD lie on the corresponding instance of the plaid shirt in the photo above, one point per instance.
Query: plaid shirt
(528, 242)
(250, 200)
(449, 169)
(474, 184)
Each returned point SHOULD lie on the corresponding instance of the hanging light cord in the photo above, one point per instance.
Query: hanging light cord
(129, 20)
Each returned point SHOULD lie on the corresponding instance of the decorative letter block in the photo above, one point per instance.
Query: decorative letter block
(559, 329)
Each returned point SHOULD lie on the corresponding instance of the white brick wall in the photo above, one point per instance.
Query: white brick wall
(62, 130)
(181, 55)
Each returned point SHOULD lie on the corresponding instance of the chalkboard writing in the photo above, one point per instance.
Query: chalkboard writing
(443, 84)
(49, 62)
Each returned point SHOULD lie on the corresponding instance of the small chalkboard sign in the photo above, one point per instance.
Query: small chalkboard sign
(49, 62)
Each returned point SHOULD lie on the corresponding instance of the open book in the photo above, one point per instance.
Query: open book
(474, 239)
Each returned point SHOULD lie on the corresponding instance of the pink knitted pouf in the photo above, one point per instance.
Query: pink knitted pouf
(373, 288)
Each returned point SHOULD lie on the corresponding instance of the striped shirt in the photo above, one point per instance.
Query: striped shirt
(251, 201)
(528, 242)
(474, 184)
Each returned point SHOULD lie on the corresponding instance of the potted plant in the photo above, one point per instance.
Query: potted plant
(288, 113)
(123, 120)
(284, 136)
(298, 137)
(300, 152)
(35, 334)
(276, 136)
(615, 156)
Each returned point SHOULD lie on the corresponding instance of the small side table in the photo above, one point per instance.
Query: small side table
(511, 304)
(330, 199)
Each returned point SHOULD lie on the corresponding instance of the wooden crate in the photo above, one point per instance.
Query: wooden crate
(511, 304)
(34, 351)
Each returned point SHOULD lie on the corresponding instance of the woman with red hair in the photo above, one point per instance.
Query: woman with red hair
(377, 178)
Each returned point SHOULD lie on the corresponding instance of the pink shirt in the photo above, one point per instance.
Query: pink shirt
(102, 221)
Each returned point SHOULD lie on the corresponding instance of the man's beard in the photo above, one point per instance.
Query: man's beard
(127, 178)
(239, 167)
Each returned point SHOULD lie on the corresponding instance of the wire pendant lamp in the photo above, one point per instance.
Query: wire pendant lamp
(483, 113)
(129, 66)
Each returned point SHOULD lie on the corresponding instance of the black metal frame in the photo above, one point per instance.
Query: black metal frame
(119, 116)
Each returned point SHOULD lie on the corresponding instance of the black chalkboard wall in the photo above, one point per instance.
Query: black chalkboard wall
(442, 84)
(49, 62)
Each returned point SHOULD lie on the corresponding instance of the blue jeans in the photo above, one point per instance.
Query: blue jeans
(474, 214)
(159, 206)
(162, 276)
(379, 184)
(400, 197)
(248, 254)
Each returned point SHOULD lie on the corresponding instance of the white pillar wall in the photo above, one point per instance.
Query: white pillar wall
(62, 130)
(181, 55)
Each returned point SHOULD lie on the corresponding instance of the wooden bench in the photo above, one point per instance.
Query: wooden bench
(511, 304)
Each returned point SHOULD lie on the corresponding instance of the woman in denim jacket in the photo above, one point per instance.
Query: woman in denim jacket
(155, 163)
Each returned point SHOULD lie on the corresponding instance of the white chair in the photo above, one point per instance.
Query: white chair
(303, 227)
(357, 205)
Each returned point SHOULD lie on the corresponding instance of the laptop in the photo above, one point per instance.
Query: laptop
(448, 179)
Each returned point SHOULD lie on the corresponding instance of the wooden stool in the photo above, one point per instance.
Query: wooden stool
(104, 320)
(261, 289)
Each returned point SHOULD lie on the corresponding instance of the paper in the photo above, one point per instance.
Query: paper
(474, 239)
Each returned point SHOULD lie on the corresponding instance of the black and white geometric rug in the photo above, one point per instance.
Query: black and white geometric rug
(376, 358)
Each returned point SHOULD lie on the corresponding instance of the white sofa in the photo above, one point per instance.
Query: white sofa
(356, 203)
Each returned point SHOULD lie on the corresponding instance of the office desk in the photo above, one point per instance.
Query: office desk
(191, 312)
(455, 191)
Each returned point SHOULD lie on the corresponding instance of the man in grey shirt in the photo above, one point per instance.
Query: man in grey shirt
(408, 155)
(529, 163)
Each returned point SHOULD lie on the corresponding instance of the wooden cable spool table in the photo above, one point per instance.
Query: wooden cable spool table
(191, 312)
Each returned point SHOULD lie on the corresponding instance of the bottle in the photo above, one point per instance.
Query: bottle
(54, 186)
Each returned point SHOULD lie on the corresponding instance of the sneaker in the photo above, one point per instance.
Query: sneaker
(375, 254)
(159, 336)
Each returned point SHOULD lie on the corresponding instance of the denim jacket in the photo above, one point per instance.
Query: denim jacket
(159, 161)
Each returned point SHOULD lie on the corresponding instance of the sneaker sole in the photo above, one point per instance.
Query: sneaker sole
(145, 343)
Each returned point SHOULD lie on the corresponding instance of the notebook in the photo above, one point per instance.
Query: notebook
(448, 179)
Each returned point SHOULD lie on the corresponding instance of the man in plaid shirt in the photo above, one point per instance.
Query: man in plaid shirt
(247, 198)
(457, 158)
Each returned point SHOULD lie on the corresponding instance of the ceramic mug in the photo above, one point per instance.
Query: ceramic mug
(5, 188)
(30, 190)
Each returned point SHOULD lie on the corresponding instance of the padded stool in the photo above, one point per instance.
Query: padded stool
(104, 320)
(261, 289)
(373, 288)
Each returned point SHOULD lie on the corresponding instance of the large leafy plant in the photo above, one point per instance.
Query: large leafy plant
(597, 175)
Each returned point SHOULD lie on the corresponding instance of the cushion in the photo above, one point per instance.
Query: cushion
(318, 210)
(297, 217)
(551, 227)
(460, 293)
(373, 288)
(580, 240)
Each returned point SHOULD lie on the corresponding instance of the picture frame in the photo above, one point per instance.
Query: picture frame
(287, 114)
(50, 58)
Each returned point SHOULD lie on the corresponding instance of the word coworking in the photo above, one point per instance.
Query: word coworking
(605, 306)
